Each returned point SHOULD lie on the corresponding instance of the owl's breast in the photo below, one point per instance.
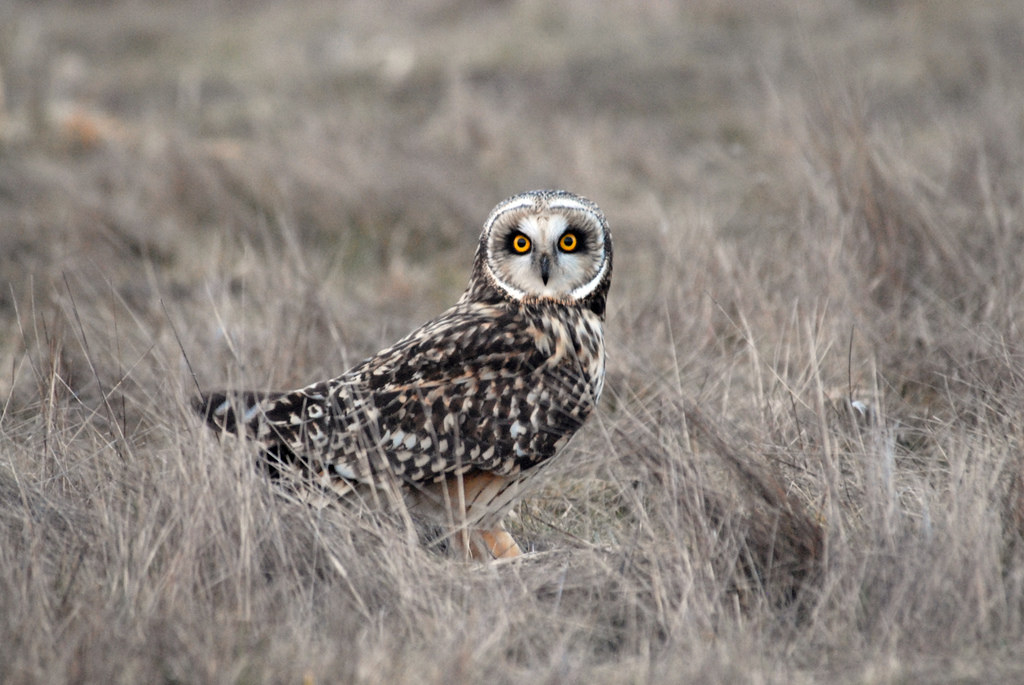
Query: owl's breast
(572, 340)
(589, 332)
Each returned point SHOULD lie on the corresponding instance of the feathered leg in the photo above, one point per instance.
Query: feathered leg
(482, 497)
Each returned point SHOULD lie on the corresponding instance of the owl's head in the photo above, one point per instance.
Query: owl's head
(546, 245)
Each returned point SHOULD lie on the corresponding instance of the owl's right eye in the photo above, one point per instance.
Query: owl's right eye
(521, 244)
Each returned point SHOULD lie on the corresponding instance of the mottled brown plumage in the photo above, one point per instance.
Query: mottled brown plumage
(456, 415)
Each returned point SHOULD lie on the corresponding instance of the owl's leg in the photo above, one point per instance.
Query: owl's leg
(479, 500)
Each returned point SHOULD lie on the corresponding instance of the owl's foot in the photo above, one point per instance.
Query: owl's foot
(484, 545)
(500, 543)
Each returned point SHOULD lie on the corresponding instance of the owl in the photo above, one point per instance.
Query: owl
(454, 419)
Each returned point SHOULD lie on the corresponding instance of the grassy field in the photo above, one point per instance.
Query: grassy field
(808, 466)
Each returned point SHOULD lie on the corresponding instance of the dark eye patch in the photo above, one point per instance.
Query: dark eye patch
(579, 233)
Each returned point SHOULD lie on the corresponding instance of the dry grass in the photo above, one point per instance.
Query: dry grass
(813, 203)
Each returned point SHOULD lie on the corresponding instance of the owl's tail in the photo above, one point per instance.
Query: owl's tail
(250, 414)
(233, 412)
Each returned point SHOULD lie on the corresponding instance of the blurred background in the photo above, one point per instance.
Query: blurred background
(363, 145)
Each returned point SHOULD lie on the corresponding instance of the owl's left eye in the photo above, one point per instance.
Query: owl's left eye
(569, 242)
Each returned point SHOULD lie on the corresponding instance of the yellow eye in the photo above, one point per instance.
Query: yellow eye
(568, 242)
(521, 244)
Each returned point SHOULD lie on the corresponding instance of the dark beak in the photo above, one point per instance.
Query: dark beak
(545, 268)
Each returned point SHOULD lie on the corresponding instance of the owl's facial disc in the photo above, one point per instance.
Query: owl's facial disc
(553, 250)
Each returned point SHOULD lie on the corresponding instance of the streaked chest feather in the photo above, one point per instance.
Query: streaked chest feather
(574, 340)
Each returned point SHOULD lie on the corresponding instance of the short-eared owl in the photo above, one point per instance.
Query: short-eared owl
(457, 414)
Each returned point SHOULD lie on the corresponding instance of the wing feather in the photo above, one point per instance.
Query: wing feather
(471, 389)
